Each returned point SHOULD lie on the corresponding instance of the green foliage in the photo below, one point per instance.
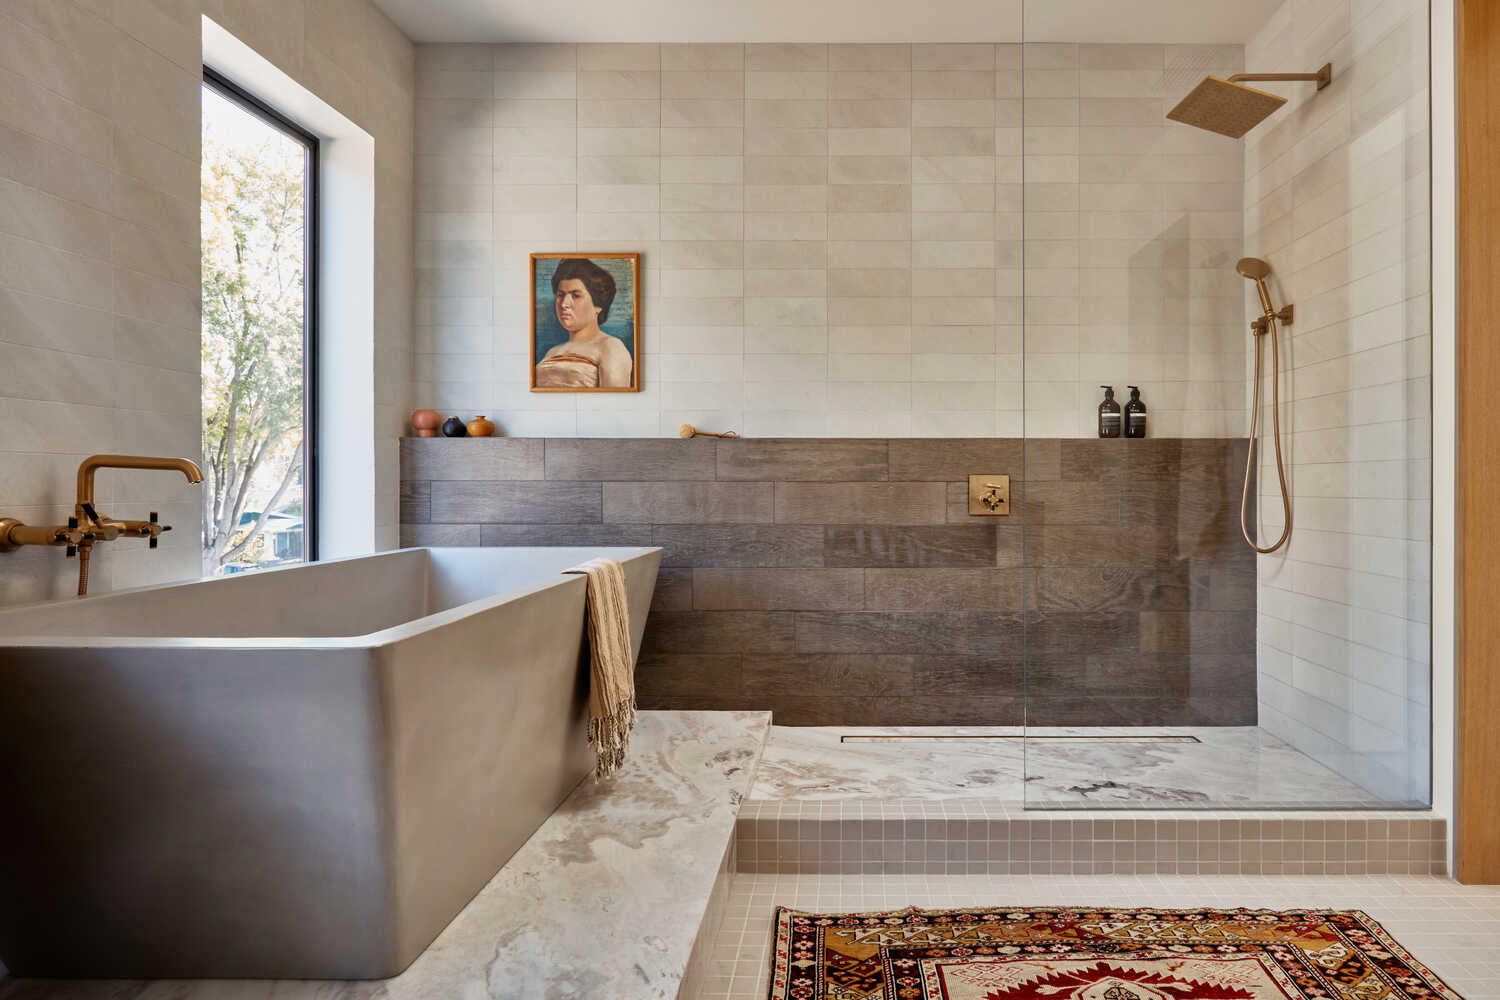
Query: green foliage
(253, 212)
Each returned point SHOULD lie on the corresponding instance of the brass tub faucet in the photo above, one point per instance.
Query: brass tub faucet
(87, 526)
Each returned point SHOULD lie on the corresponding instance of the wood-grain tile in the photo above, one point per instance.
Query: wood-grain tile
(1051, 673)
(820, 674)
(965, 676)
(1197, 632)
(722, 632)
(953, 459)
(1074, 633)
(1134, 675)
(708, 701)
(861, 503)
(957, 633)
(1227, 584)
(804, 460)
(438, 535)
(674, 590)
(1043, 459)
(739, 544)
(1112, 589)
(897, 545)
(1070, 503)
(1187, 458)
(843, 581)
(1094, 459)
(689, 503)
(630, 459)
(1071, 709)
(973, 710)
(944, 589)
(680, 674)
(565, 534)
(416, 502)
(822, 711)
(727, 589)
(495, 459)
(1214, 674)
(1222, 710)
(455, 501)
(1092, 545)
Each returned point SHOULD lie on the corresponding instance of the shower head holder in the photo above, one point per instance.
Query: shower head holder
(1263, 323)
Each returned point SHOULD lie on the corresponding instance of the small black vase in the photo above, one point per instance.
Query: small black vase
(454, 428)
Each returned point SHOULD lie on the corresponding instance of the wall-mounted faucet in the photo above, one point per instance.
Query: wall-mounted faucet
(87, 526)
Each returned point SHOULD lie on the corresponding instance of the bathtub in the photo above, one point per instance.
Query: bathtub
(299, 773)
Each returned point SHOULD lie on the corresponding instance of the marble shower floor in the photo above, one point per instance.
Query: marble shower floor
(1054, 768)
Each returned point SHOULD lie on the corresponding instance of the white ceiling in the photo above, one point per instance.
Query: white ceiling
(1217, 21)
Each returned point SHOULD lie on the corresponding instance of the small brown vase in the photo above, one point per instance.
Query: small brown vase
(480, 427)
(427, 422)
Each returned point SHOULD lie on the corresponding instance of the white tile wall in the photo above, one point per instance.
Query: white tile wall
(99, 135)
(1337, 200)
(1132, 227)
(832, 235)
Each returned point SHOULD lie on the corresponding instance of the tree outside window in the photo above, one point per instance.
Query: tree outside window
(254, 218)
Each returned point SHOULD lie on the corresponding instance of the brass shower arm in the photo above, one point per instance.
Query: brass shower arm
(1324, 76)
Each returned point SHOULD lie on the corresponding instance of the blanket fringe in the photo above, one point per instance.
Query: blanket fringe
(610, 738)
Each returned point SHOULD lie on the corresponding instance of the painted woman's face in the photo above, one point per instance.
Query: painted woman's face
(575, 307)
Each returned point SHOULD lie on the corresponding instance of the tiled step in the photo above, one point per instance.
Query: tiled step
(975, 837)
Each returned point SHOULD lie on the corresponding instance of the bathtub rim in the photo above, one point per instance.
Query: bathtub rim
(369, 640)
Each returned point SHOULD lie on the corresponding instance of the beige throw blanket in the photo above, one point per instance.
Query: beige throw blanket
(612, 668)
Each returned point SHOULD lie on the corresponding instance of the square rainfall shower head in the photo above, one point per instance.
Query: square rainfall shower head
(1230, 109)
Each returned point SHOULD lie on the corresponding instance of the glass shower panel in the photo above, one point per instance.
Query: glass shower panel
(1174, 226)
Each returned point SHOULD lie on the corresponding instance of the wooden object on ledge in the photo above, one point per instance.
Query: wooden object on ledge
(688, 430)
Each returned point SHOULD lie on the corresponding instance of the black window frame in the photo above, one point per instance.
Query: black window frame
(227, 88)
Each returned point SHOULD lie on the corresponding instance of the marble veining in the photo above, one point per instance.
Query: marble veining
(604, 900)
(1171, 767)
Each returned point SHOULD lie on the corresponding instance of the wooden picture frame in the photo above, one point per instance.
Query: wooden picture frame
(585, 325)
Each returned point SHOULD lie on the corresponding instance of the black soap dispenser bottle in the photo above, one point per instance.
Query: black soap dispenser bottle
(1109, 414)
(1135, 414)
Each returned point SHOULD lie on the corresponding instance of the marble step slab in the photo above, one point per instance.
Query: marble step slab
(609, 898)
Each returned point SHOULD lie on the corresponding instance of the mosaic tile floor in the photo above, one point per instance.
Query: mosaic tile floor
(1177, 768)
(1451, 928)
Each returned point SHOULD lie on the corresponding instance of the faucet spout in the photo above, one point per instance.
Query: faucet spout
(94, 463)
(88, 526)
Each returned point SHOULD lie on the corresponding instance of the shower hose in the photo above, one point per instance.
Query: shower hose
(1286, 500)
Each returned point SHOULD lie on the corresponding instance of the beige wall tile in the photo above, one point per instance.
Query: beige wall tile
(102, 102)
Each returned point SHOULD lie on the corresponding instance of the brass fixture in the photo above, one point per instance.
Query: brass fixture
(1257, 271)
(688, 430)
(87, 526)
(1228, 108)
(989, 495)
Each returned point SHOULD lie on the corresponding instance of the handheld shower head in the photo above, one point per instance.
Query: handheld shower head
(1257, 271)
(1253, 268)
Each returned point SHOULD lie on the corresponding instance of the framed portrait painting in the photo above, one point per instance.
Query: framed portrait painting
(585, 322)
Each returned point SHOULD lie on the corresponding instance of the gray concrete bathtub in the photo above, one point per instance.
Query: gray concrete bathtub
(302, 773)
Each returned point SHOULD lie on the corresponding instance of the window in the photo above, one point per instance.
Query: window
(259, 245)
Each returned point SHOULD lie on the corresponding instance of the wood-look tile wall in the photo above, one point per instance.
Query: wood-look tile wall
(843, 581)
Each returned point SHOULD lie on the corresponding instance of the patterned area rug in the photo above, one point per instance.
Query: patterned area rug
(1071, 954)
